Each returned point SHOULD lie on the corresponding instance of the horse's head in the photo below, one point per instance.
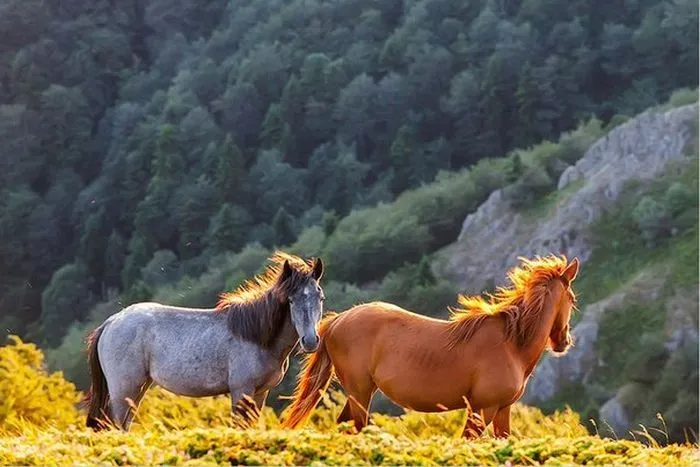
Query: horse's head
(560, 338)
(305, 298)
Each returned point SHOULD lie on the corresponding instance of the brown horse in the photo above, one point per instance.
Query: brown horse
(480, 359)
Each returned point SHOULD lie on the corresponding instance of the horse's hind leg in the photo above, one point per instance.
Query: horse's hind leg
(359, 390)
(125, 399)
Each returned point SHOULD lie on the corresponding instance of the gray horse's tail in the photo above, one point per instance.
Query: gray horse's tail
(313, 381)
(97, 396)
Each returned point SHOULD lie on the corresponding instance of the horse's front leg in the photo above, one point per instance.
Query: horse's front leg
(477, 422)
(244, 406)
(501, 423)
(260, 398)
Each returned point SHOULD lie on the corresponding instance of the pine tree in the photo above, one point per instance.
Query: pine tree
(137, 258)
(229, 229)
(496, 109)
(283, 225)
(93, 243)
(527, 98)
(272, 127)
(404, 159)
(231, 173)
(330, 222)
(114, 257)
(424, 273)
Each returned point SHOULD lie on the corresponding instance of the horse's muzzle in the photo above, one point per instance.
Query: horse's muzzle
(310, 344)
(561, 346)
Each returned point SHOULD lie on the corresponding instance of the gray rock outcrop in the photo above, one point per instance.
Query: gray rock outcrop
(494, 236)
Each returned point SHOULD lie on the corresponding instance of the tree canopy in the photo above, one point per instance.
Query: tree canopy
(137, 134)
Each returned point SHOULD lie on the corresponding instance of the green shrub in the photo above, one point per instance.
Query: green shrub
(683, 97)
(616, 121)
(652, 218)
(341, 295)
(415, 288)
(533, 184)
(678, 198)
(621, 331)
(540, 167)
(369, 243)
(309, 243)
(643, 364)
(163, 268)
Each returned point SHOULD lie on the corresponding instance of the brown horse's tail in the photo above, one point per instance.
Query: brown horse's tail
(97, 397)
(315, 376)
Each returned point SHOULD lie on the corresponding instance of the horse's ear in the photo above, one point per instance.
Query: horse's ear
(571, 271)
(286, 271)
(318, 269)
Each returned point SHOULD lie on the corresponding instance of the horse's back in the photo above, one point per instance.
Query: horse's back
(146, 324)
(376, 315)
(371, 327)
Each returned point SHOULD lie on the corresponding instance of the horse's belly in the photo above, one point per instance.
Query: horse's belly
(425, 395)
(196, 372)
(192, 383)
(183, 388)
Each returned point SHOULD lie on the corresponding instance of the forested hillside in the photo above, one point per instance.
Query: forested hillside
(144, 142)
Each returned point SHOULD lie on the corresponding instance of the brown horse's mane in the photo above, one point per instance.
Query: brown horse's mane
(519, 305)
(257, 309)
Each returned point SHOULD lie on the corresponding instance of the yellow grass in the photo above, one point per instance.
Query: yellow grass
(40, 424)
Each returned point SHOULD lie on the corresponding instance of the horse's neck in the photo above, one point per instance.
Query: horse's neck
(533, 350)
(286, 340)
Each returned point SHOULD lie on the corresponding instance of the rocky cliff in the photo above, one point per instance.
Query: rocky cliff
(496, 234)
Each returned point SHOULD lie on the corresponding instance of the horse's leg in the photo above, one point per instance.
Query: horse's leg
(359, 391)
(345, 415)
(243, 406)
(501, 423)
(125, 400)
(476, 423)
(260, 397)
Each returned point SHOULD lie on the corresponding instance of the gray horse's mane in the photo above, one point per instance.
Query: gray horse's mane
(258, 308)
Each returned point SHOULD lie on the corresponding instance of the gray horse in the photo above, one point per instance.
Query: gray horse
(241, 347)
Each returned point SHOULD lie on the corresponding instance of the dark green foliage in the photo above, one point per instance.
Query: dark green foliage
(228, 229)
(283, 225)
(126, 125)
(531, 185)
(114, 260)
(194, 206)
(93, 243)
(163, 268)
(652, 219)
(415, 288)
(405, 159)
(138, 292)
(330, 222)
(230, 176)
(65, 300)
(137, 257)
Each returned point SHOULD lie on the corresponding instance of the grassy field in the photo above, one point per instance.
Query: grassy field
(40, 425)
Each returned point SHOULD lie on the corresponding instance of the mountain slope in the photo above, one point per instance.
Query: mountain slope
(628, 210)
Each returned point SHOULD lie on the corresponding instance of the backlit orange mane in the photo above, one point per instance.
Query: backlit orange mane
(261, 284)
(519, 305)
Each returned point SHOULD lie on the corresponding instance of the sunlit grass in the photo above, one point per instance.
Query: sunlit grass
(41, 425)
